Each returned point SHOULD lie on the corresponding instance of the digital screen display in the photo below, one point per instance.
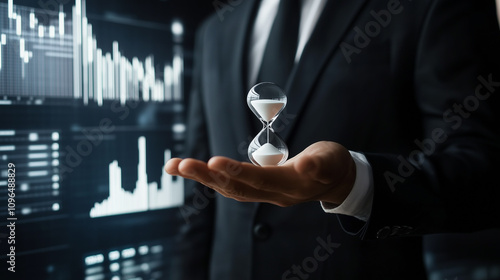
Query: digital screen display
(92, 106)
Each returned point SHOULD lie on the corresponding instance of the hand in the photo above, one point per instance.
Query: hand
(324, 171)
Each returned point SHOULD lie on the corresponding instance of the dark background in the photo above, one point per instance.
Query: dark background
(55, 245)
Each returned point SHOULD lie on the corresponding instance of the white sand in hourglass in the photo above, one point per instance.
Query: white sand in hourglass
(267, 108)
(267, 154)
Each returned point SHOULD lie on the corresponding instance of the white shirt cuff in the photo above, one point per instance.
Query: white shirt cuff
(359, 201)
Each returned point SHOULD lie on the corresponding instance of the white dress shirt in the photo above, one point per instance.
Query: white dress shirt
(359, 202)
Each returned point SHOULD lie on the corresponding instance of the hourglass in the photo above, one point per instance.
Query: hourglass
(267, 100)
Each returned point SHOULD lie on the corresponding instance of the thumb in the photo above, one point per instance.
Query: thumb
(326, 162)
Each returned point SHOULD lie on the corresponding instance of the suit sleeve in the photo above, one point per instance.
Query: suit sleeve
(449, 182)
(194, 236)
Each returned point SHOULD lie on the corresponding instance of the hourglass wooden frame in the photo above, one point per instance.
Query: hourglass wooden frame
(267, 101)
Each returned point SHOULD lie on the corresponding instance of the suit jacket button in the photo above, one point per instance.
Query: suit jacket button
(261, 231)
(406, 230)
(384, 232)
(396, 230)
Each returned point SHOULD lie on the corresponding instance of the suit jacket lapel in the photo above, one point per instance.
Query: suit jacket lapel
(331, 27)
(235, 72)
(240, 114)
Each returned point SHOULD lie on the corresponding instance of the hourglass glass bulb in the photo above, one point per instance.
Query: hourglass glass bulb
(267, 100)
(267, 108)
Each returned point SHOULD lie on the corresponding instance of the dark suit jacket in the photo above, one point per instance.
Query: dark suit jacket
(409, 83)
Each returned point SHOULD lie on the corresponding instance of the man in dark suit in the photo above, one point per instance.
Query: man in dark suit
(391, 119)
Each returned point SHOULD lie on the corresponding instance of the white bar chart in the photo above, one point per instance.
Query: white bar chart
(146, 196)
(62, 59)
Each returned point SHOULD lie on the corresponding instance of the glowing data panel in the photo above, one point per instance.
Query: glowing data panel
(36, 156)
(91, 103)
(59, 57)
(146, 196)
(143, 261)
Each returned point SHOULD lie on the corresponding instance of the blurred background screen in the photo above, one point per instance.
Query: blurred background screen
(92, 104)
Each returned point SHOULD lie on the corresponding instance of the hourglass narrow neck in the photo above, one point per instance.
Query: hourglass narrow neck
(267, 123)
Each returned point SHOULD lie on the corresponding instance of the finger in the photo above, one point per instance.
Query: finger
(171, 167)
(269, 178)
(325, 162)
(317, 168)
(195, 170)
(244, 193)
(199, 171)
(332, 169)
(305, 165)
